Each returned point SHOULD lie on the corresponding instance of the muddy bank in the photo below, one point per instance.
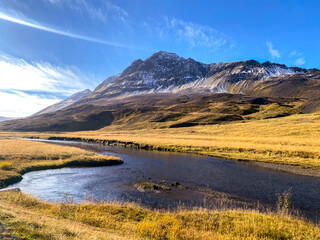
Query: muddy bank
(126, 144)
(288, 168)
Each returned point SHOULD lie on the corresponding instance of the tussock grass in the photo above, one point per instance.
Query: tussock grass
(6, 166)
(20, 156)
(27, 216)
(292, 140)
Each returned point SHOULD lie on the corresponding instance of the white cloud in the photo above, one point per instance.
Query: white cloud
(273, 52)
(293, 53)
(55, 1)
(38, 26)
(26, 88)
(22, 105)
(108, 11)
(121, 13)
(196, 34)
(300, 61)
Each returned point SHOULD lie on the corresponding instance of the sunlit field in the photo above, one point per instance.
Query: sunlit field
(30, 218)
(292, 140)
(21, 156)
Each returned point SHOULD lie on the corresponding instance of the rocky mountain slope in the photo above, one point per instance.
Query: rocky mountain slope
(65, 103)
(166, 90)
(158, 110)
(166, 72)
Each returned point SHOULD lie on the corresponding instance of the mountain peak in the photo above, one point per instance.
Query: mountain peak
(158, 72)
(163, 55)
(81, 93)
(167, 72)
(252, 62)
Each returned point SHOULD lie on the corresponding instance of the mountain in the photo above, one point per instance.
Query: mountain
(65, 103)
(167, 72)
(166, 90)
(162, 72)
(4, 119)
(157, 110)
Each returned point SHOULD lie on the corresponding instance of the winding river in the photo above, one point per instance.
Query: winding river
(207, 179)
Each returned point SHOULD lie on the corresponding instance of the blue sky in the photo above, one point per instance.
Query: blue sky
(50, 49)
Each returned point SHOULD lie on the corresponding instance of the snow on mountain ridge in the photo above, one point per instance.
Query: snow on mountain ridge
(168, 72)
(159, 71)
(65, 103)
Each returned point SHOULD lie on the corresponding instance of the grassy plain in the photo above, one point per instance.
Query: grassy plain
(293, 140)
(20, 156)
(30, 218)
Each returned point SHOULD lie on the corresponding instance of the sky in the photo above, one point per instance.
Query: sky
(50, 49)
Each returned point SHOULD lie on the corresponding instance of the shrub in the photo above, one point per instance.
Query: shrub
(7, 166)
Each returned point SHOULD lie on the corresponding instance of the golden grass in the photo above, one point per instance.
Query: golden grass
(21, 156)
(292, 140)
(32, 219)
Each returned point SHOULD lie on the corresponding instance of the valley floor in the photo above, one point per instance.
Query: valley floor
(287, 144)
(286, 141)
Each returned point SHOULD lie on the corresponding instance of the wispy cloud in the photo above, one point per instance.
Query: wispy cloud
(121, 13)
(106, 12)
(29, 87)
(273, 52)
(196, 34)
(293, 53)
(41, 27)
(55, 2)
(22, 105)
(300, 61)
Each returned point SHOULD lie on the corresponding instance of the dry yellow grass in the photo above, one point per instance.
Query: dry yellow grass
(292, 140)
(29, 218)
(14, 148)
(21, 156)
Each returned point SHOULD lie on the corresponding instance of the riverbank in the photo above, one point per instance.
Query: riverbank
(296, 169)
(18, 157)
(288, 141)
(30, 218)
(27, 216)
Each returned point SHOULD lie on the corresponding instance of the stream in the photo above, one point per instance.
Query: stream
(210, 182)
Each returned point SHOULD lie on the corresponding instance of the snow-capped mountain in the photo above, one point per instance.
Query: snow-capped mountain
(166, 87)
(165, 72)
(161, 72)
(65, 103)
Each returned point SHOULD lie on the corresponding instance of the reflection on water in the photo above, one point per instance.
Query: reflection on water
(117, 182)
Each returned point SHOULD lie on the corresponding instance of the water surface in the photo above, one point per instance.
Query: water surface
(247, 182)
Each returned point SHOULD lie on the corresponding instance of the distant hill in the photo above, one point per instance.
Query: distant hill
(4, 119)
(65, 103)
(166, 90)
